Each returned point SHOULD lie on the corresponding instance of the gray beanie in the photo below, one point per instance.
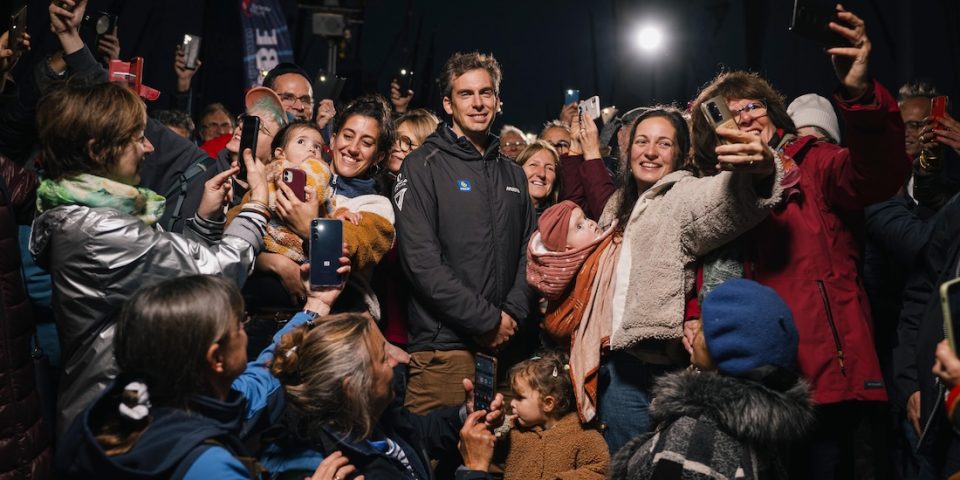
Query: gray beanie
(812, 110)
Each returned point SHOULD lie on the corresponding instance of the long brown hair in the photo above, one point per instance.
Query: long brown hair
(84, 128)
(327, 372)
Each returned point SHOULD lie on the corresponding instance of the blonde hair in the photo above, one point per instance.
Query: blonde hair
(544, 146)
(422, 121)
(327, 372)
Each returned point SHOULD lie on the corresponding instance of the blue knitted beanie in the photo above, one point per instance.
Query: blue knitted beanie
(746, 326)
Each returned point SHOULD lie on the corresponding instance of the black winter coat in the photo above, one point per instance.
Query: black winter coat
(463, 221)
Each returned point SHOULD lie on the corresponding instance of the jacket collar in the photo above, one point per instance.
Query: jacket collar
(458, 146)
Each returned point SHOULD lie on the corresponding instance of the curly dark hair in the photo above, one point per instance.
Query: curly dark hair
(377, 108)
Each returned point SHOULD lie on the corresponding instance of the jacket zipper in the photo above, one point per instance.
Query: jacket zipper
(833, 326)
(493, 222)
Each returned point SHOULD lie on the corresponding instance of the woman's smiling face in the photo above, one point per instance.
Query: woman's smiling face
(355, 146)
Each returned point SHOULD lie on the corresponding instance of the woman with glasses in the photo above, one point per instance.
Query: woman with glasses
(97, 233)
(806, 250)
(557, 134)
(185, 393)
(413, 128)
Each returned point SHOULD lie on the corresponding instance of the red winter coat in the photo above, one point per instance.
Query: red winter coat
(24, 440)
(807, 251)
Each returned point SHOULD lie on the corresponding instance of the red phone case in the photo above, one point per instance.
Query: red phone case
(938, 110)
(296, 179)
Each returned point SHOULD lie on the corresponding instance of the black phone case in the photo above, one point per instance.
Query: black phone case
(326, 246)
(248, 139)
(811, 21)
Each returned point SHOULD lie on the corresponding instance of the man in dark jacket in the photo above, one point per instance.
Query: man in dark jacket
(463, 220)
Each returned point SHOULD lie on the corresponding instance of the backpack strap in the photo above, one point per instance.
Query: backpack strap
(180, 188)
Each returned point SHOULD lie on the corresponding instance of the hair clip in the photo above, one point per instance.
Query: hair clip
(554, 371)
(142, 408)
(566, 367)
(290, 352)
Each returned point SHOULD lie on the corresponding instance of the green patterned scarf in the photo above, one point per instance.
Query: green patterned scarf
(95, 192)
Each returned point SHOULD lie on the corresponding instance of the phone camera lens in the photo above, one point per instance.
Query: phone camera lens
(715, 112)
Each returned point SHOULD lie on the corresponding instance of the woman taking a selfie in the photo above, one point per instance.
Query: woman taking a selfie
(96, 231)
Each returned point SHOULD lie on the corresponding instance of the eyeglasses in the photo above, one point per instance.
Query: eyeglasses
(306, 100)
(405, 144)
(262, 128)
(514, 144)
(562, 146)
(752, 109)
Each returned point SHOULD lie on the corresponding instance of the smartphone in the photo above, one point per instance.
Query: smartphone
(248, 139)
(811, 20)
(326, 247)
(18, 27)
(296, 179)
(405, 80)
(590, 106)
(938, 110)
(191, 50)
(484, 381)
(571, 96)
(718, 115)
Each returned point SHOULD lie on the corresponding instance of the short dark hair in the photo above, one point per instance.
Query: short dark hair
(174, 118)
(732, 85)
(460, 63)
(78, 118)
(283, 69)
(377, 108)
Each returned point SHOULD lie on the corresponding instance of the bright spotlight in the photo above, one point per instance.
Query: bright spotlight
(648, 38)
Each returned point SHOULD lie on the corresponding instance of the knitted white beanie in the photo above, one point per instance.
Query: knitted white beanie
(812, 110)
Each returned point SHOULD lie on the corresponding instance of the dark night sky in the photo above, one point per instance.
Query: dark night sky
(546, 46)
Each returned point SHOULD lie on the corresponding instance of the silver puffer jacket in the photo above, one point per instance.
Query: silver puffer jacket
(98, 257)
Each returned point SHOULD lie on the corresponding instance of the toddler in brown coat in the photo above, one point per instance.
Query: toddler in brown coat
(547, 441)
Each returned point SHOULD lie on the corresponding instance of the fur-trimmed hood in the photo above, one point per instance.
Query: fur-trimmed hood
(747, 410)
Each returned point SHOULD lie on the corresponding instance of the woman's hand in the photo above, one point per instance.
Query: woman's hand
(326, 110)
(296, 214)
(256, 177)
(9, 57)
(348, 216)
(947, 366)
(585, 132)
(850, 63)
(287, 271)
(747, 153)
(66, 23)
(184, 74)
(322, 298)
(947, 133)
(476, 443)
(400, 100)
(217, 193)
(568, 113)
(335, 467)
(109, 45)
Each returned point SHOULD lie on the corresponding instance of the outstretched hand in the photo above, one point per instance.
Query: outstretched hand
(850, 63)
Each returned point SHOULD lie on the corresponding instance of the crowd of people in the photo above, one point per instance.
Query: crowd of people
(754, 300)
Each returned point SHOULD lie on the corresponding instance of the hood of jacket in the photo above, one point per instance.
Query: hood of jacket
(447, 141)
(172, 434)
(746, 409)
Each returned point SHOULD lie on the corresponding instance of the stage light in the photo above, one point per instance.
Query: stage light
(648, 38)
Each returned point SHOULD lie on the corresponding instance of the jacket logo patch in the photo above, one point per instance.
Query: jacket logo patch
(513, 189)
(464, 185)
(398, 198)
(869, 384)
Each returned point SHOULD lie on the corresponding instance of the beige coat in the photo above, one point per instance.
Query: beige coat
(565, 451)
(674, 222)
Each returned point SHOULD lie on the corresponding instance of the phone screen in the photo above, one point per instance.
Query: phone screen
(484, 383)
(950, 301)
(248, 139)
(326, 246)
(811, 20)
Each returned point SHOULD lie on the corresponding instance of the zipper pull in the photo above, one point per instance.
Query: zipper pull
(843, 371)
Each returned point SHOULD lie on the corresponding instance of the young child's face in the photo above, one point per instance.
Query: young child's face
(526, 404)
(582, 231)
(301, 144)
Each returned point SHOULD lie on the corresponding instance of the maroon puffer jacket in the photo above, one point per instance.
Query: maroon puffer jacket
(24, 440)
